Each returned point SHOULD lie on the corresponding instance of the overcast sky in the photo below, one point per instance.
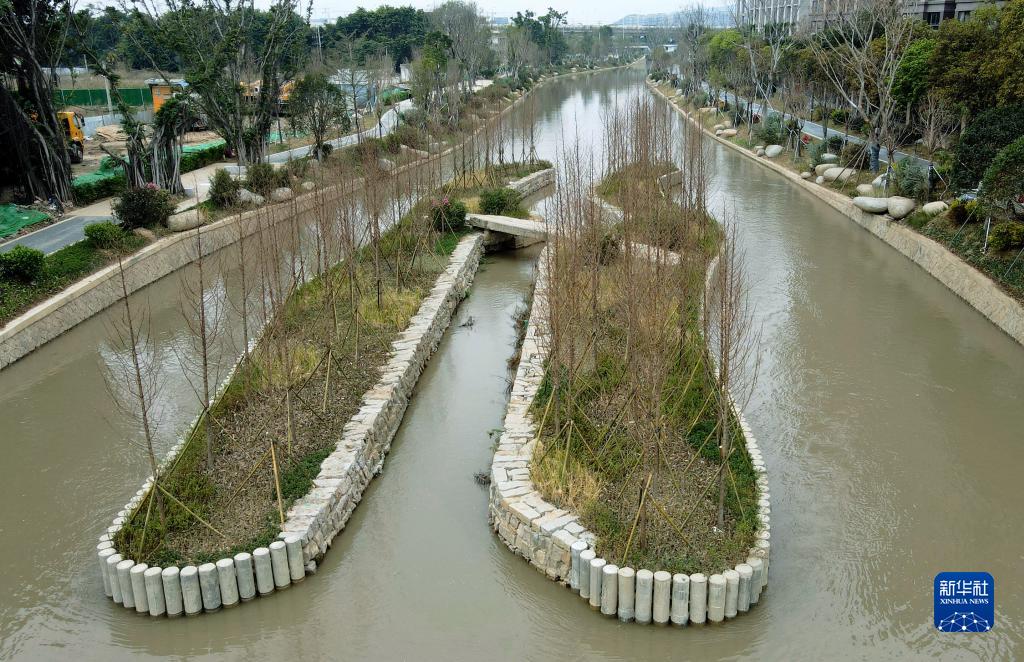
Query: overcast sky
(580, 11)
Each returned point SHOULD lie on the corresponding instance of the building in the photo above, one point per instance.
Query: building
(935, 12)
(793, 13)
(759, 13)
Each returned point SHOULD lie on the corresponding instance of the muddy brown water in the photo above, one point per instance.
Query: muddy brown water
(890, 413)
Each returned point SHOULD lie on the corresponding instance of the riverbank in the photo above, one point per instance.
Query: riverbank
(971, 285)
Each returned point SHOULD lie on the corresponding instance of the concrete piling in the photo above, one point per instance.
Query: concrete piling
(115, 585)
(574, 574)
(743, 590)
(627, 594)
(209, 586)
(173, 600)
(732, 586)
(191, 593)
(244, 577)
(154, 591)
(125, 580)
(138, 579)
(609, 589)
(698, 598)
(596, 566)
(662, 596)
(228, 583)
(644, 595)
(296, 567)
(680, 611)
(716, 598)
(586, 557)
(279, 564)
(756, 566)
(264, 570)
(104, 554)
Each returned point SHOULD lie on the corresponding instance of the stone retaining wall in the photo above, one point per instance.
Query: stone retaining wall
(971, 285)
(533, 182)
(314, 520)
(554, 541)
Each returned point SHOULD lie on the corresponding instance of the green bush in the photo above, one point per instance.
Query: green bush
(262, 178)
(502, 201)
(1004, 178)
(447, 215)
(22, 264)
(918, 220)
(193, 159)
(770, 131)
(854, 155)
(963, 212)
(1006, 236)
(990, 132)
(91, 189)
(297, 168)
(147, 205)
(814, 152)
(105, 235)
(909, 179)
(835, 144)
(223, 189)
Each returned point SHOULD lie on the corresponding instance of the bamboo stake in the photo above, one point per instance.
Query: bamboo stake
(277, 482)
(639, 509)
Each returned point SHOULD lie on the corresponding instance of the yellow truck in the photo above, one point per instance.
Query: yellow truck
(73, 125)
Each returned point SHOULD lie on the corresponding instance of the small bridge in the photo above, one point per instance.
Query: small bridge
(505, 229)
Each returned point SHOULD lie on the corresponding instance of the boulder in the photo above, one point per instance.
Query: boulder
(771, 151)
(758, 146)
(719, 127)
(247, 196)
(805, 175)
(879, 182)
(900, 207)
(718, 132)
(935, 208)
(308, 186)
(728, 133)
(282, 194)
(819, 180)
(386, 164)
(185, 220)
(759, 151)
(865, 189)
(822, 168)
(828, 157)
(871, 205)
(838, 174)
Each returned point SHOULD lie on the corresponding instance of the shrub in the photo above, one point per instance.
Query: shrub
(193, 159)
(223, 188)
(262, 178)
(148, 205)
(105, 235)
(963, 212)
(918, 219)
(770, 131)
(990, 132)
(1004, 178)
(814, 152)
(1006, 236)
(502, 201)
(910, 179)
(86, 189)
(294, 168)
(854, 155)
(447, 214)
(835, 144)
(22, 263)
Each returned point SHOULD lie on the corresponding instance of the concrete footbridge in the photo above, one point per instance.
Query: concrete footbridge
(506, 229)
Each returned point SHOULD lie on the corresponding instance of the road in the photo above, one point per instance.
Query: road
(52, 238)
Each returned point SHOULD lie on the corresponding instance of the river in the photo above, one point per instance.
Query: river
(889, 412)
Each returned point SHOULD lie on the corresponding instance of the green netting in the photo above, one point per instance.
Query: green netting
(14, 218)
(108, 168)
(201, 146)
(133, 96)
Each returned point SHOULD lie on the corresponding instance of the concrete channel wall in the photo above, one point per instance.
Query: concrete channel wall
(314, 520)
(971, 285)
(554, 541)
(533, 182)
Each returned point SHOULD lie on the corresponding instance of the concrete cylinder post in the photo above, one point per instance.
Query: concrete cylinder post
(264, 570)
(115, 585)
(680, 612)
(209, 586)
(191, 593)
(279, 564)
(644, 595)
(296, 567)
(173, 600)
(574, 575)
(743, 590)
(698, 598)
(228, 583)
(125, 580)
(154, 591)
(732, 587)
(596, 566)
(586, 557)
(662, 596)
(716, 598)
(244, 577)
(105, 554)
(137, 575)
(756, 567)
(609, 589)
(627, 594)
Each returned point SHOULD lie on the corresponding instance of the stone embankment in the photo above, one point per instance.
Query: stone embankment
(555, 542)
(313, 521)
(974, 287)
